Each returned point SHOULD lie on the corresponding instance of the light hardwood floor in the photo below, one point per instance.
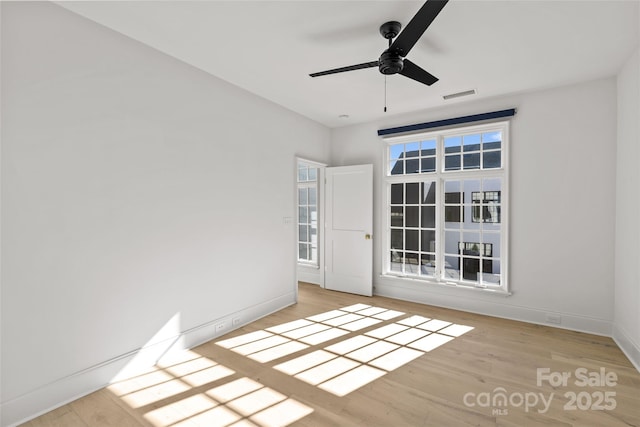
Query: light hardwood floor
(230, 382)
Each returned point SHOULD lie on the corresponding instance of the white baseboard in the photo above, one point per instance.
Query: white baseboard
(495, 309)
(310, 275)
(64, 390)
(628, 347)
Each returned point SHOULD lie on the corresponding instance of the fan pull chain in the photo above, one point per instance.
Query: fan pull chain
(385, 93)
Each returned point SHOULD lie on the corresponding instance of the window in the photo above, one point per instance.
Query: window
(307, 213)
(445, 198)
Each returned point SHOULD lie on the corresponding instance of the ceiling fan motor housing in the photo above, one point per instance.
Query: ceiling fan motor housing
(390, 62)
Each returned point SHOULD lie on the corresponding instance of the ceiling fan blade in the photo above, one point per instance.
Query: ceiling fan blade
(417, 26)
(343, 69)
(416, 73)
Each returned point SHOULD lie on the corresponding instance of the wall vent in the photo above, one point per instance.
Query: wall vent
(459, 94)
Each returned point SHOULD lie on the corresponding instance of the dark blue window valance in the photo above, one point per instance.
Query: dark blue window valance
(448, 122)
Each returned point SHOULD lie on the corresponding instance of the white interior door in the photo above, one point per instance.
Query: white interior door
(348, 233)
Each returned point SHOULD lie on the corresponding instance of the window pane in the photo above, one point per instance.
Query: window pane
(494, 240)
(397, 219)
(428, 238)
(491, 278)
(413, 193)
(428, 217)
(313, 174)
(396, 151)
(396, 260)
(451, 242)
(302, 215)
(411, 259)
(452, 144)
(492, 184)
(411, 243)
(313, 215)
(471, 142)
(412, 217)
(492, 145)
(453, 214)
(493, 264)
(303, 235)
(453, 196)
(428, 193)
(302, 196)
(428, 164)
(472, 161)
(412, 166)
(397, 239)
(397, 194)
(396, 167)
(302, 251)
(452, 267)
(428, 265)
(471, 244)
(452, 187)
(452, 163)
(491, 160)
(302, 173)
(428, 148)
(412, 149)
(470, 186)
(491, 226)
(491, 140)
(312, 196)
(470, 269)
(469, 223)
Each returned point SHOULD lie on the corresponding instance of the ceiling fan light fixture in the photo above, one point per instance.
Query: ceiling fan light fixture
(459, 94)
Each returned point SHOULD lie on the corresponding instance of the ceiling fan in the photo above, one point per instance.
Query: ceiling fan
(393, 60)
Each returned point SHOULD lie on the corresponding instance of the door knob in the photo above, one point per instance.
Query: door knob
(367, 236)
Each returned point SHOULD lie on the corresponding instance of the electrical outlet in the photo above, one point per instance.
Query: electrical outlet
(219, 326)
(555, 319)
(235, 321)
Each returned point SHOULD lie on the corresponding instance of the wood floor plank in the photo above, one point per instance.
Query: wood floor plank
(99, 410)
(61, 417)
(457, 383)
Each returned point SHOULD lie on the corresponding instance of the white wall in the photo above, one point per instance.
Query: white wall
(562, 202)
(627, 246)
(137, 193)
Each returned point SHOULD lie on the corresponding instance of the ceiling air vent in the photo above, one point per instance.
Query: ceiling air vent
(459, 94)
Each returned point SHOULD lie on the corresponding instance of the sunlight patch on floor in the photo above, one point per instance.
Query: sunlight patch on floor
(338, 351)
(168, 396)
(352, 380)
(347, 365)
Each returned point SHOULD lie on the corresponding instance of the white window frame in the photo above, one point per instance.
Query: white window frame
(440, 176)
(309, 184)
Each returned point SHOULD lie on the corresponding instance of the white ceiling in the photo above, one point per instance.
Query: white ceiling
(270, 47)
